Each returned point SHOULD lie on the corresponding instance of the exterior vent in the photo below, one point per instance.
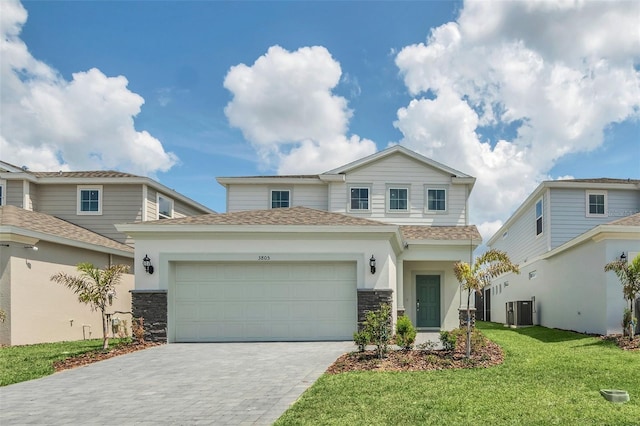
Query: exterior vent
(519, 313)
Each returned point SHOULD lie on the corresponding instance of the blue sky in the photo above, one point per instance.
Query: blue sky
(509, 92)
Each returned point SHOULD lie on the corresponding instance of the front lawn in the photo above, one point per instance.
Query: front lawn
(21, 363)
(548, 377)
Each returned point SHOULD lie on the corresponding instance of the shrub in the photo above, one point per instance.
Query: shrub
(448, 339)
(361, 339)
(137, 329)
(405, 332)
(377, 327)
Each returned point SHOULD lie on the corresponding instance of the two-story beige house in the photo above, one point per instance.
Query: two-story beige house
(303, 257)
(50, 222)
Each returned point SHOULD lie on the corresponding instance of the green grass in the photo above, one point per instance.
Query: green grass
(22, 363)
(548, 377)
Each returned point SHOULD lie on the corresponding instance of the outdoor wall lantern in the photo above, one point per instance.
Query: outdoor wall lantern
(623, 257)
(34, 248)
(146, 262)
(372, 264)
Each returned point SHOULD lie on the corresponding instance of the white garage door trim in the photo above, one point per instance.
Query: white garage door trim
(262, 301)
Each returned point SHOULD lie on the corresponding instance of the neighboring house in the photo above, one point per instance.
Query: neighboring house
(562, 236)
(69, 218)
(303, 257)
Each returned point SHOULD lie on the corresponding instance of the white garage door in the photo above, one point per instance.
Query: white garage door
(266, 301)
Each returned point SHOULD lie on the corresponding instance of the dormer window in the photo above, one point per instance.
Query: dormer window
(359, 198)
(165, 207)
(280, 199)
(89, 200)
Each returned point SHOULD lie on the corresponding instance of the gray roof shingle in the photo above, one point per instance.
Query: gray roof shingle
(85, 174)
(285, 216)
(414, 232)
(51, 225)
(633, 220)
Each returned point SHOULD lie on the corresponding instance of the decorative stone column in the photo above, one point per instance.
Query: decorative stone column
(370, 300)
(151, 306)
(462, 315)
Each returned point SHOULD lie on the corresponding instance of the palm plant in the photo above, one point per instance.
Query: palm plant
(489, 265)
(94, 287)
(629, 275)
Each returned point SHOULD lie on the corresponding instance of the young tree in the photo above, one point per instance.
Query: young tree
(491, 264)
(629, 275)
(94, 287)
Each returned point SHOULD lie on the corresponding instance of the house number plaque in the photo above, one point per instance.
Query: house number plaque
(264, 257)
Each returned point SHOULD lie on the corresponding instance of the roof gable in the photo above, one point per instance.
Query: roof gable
(392, 151)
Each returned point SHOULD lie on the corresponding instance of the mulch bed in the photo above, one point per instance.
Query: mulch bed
(419, 360)
(395, 360)
(99, 355)
(623, 342)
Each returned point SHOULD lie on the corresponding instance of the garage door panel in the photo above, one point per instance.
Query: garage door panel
(264, 301)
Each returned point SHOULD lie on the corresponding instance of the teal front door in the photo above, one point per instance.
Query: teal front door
(428, 300)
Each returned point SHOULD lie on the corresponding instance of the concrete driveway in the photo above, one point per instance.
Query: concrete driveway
(182, 384)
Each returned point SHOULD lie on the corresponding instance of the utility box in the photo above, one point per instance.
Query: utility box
(519, 313)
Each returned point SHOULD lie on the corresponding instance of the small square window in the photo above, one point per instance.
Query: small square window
(398, 199)
(280, 199)
(359, 199)
(436, 199)
(165, 207)
(89, 200)
(596, 204)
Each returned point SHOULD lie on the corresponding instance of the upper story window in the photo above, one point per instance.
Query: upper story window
(89, 200)
(596, 203)
(436, 199)
(359, 198)
(280, 199)
(539, 214)
(165, 207)
(398, 199)
(2, 195)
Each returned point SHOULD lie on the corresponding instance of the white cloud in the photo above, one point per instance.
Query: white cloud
(49, 123)
(558, 73)
(285, 107)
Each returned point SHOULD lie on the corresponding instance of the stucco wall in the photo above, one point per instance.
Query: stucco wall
(44, 311)
(571, 289)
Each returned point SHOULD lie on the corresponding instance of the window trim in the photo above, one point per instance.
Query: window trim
(541, 217)
(359, 186)
(588, 193)
(426, 199)
(408, 199)
(271, 191)
(80, 189)
(158, 196)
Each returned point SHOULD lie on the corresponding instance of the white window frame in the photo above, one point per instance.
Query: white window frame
(539, 217)
(426, 199)
(279, 190)
(162, 216)
(79, 200)
(398, 187)
(588, 204)
(3, 192)
(358, 186)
